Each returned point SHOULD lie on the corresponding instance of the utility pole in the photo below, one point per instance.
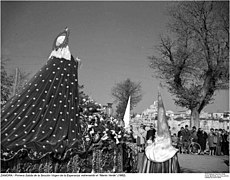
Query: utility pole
(15, 82)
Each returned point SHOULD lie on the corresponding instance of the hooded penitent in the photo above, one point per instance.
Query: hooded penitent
(161, 149)
(44, 117)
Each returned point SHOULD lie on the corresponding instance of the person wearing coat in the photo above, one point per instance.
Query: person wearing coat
(151, 133)
(186, 138)
(212, 140)
(141, 137)
(219, 141)
(194, 134)
(202, 139)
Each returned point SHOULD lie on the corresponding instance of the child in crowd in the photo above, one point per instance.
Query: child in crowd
(180, 145)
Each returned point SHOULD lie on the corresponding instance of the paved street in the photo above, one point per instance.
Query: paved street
(203, 163)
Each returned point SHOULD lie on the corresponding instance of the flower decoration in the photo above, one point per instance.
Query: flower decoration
(102, 130)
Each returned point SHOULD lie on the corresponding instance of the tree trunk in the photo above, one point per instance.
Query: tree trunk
(195, 119)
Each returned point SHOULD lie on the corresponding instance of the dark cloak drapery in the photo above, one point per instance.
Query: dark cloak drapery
(44, 117)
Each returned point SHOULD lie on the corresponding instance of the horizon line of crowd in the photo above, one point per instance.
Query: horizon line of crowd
(214, 142)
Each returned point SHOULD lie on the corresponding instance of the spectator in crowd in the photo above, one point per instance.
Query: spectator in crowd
(180, 132)
(170, 131)
(141, 135)
(186, 138)
(201, 139)
(131, 134)
(194, 137)
(212, 141)
(222, 144)
(219, 142)
(150, 137)
(174, 140)
(225, 142)
(151, 133)
(180, 145)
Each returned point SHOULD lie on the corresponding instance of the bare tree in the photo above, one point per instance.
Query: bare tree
(11, 84)
(6, 83)
(194, 60)
(121, 92)
(21, 79)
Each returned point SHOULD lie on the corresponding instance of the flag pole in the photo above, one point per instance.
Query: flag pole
(15, 82)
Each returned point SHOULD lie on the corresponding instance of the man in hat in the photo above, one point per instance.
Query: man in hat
(186, 138)
(151, 133)
(202, 139)
(194, 134)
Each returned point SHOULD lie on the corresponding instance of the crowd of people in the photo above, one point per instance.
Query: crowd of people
(214, 142)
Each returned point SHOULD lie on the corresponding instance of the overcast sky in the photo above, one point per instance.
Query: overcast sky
(113, 40)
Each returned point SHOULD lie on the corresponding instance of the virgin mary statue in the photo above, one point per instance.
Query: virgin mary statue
(44, 118)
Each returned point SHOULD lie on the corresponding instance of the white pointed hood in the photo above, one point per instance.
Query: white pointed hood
(126, 118)
(161, 149)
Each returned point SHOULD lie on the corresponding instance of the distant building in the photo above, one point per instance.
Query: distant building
(170, 113)
(226, 115)
(176, 120)
(150, 113)
(205, 115)
(217, 115)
